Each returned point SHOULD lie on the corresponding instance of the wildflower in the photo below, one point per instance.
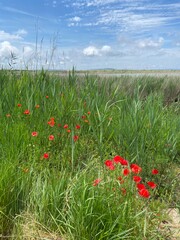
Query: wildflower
(96, 182)
(47, 96)
(88, 112)
(123, 190)
(75, 138)
(140, 186)
(135, 168)
(65, 126)
(46, 155)
(78, 126)
(137, 179)
(59, 125)
(126, 172)
(51, 122)
(34, 134)
(51, 137)
(68, 131)
(86, 121)
(155, 171)
(83, 117)
(144, 193)
(152, 185)
(19, 105)
(37, 106)
(109, 164)
(121, 180)
(119, 159)
(26, 112)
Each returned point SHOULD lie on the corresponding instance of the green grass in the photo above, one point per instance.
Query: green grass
(135, 118)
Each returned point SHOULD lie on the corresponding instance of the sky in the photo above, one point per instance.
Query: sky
(90, 34)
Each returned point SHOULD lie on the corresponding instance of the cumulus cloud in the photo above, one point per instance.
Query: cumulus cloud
(6, 48)
(5, 36)
(94, 51)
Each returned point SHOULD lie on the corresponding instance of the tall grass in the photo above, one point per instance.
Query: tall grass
(120, 116)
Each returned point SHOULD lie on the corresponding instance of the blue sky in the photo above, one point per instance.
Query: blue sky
(90, 34)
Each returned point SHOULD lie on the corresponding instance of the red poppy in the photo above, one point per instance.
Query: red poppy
(65, 126)
(109, 164)
(19, 105)
(119, 159)
(75, 138)
(34, 134)
(83, 117)
(152, 185)
(51, 137)
(123, 190)
(135, 168)
(144, 193)
(140, 186)
(51, 122)
(96, 182)
(47, 96)
(137, 179)
(155, 171)
(88, 112)
(126, 172)
(37, 106)
(26, 112)
(121, 180)
(68, 131)
(78, 126)
(46, 155)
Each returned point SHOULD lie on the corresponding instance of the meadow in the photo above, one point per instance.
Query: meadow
(87, 158)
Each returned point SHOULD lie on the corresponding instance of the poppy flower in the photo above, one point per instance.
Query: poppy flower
(135, 168)
(126, 172)
(68, 131)
(47, 97)
(152, 185)
(75, 138)
(46, 155)
(51, 137)
(78, 126)
(26, 112)
(123, 190)
(155, 171)
(119, 159)
(37, 106)
(137, 179)
(96, 181)
(121, 180)
(65, 126)
(144, 193)
(109, 164)
(83, 117)
(51, 122)
(88, 112)
(19, 105)
(140, 186)
(34, 134)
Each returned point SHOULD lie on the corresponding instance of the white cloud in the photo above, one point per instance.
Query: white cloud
(21, 32)
(94, 51)
(5, 36)
(149, 43)
(91, 51)
(6, 48)
(74, 21)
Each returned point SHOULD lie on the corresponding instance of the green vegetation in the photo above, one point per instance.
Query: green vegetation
(56, 135)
